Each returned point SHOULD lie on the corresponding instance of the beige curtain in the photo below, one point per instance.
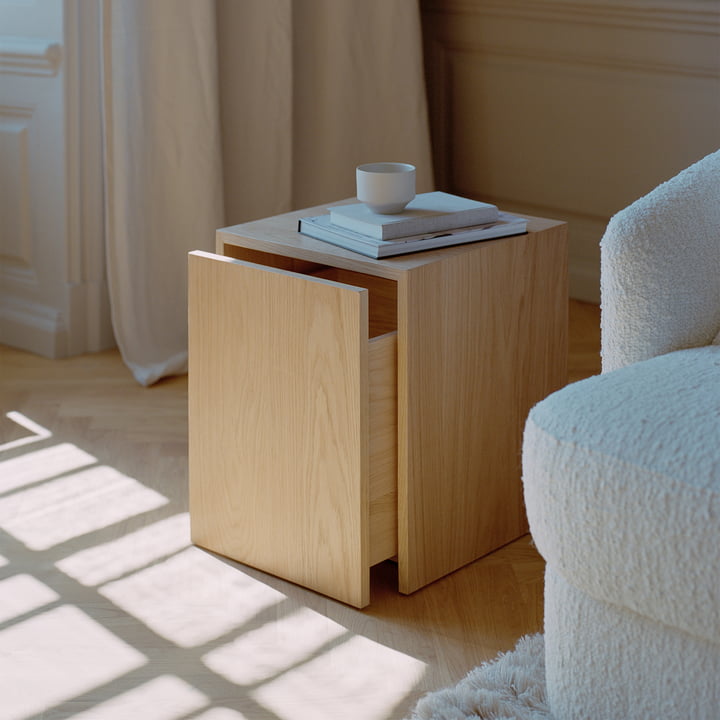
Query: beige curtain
(222, 111)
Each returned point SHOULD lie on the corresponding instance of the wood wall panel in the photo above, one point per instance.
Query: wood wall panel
(570, 109)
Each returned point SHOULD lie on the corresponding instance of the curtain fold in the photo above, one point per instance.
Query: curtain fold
(222, 111)
(359, 94)
(309, 90)
(162, 170)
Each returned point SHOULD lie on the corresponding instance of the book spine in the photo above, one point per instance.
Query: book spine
(319, 233)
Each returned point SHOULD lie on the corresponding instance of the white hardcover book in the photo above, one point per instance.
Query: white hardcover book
(321, 227)
(428, 212)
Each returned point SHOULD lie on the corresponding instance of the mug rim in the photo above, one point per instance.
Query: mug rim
(386, 167)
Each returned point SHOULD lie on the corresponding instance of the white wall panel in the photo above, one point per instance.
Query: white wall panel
(16, 238)
(53, 293)
(32, 217)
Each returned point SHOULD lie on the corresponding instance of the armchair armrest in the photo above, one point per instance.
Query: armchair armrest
(660, 269)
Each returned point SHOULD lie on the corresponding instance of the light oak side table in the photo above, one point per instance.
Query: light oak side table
(345, 410)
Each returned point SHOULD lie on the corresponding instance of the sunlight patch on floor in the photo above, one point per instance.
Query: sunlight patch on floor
(221, 714)
(38, 431)
(55, 656)
(74, 505)
(111, 560)
(21, 594)
(58, 661)
(192, 597)
(42, 465)
(262, 654)
(358, 680)
(164, 698)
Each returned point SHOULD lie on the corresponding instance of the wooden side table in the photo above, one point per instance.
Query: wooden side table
(345, 410)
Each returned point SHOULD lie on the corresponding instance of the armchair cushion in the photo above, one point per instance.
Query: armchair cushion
(623, 487)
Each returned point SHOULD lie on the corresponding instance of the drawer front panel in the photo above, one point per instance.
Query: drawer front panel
(279, 417)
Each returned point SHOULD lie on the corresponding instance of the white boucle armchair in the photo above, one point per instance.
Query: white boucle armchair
(622, 475)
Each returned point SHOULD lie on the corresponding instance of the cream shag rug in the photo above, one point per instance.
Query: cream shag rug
(511, 687)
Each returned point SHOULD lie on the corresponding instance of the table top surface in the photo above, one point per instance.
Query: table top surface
(279, 235)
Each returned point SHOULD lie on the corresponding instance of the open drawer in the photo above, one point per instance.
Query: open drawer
(293, 418)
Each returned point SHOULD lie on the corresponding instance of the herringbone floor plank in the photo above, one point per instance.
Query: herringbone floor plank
(106, 610)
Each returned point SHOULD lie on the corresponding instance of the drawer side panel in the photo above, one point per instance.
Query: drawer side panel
(383, 447)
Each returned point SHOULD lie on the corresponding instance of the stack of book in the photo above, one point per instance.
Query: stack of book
(431, 220)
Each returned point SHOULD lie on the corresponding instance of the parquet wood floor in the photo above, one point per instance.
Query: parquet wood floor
(107, 612)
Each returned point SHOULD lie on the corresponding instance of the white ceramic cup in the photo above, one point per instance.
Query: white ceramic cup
(386, 187)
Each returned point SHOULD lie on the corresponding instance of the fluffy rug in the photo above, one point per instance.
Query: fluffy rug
(511, 687)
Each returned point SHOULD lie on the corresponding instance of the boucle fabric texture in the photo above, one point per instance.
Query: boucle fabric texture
(622, 487)
(621, 474)
(604, 662)
(512, 687)
(660, 269)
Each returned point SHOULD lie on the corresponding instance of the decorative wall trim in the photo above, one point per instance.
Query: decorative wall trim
(638, 59)
(16, 242)
(15, 274)
(29, 56)
(702, 18)
(572, 60)
(53, 291)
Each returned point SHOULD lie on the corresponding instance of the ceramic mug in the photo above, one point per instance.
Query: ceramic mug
(385, 187)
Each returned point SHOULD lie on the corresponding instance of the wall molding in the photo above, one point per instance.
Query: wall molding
(53, 289)
(584, 66)
(16, 243)
(29, 56)
(573, 60)
(701, 18)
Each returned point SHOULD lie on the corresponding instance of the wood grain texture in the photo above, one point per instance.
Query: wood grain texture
(279, 474)
(482, 338)
(469, 319)
(382, 387)
(382, 300)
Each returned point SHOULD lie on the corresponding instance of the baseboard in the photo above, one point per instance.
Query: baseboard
(33, 327)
